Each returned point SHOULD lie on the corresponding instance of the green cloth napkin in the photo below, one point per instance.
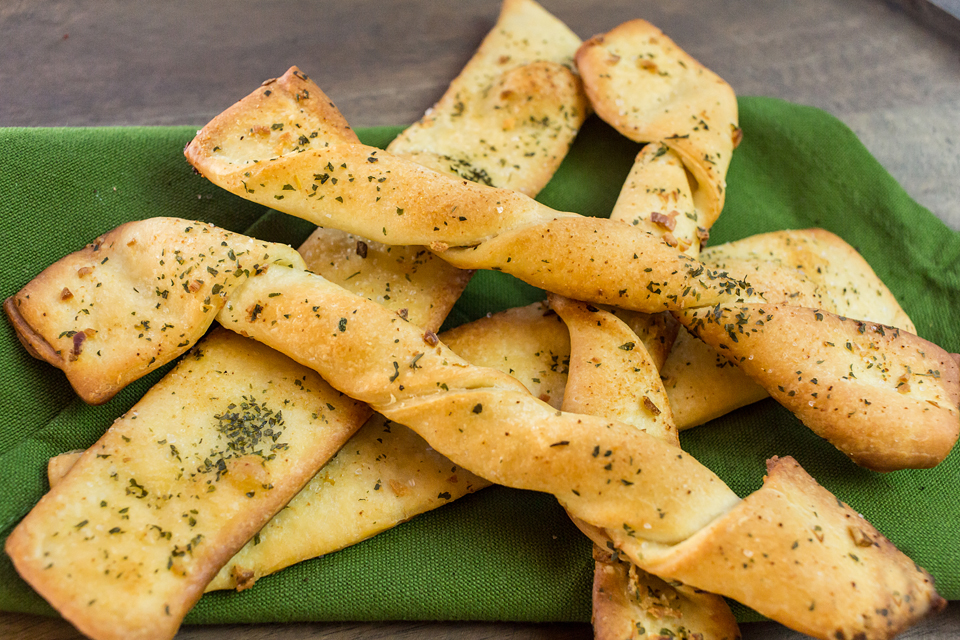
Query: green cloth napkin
(499, 554)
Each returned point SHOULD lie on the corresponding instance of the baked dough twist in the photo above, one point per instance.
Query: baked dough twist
(644, 86)
(328, 178)
(646, 497)
(613, 375)
(484, 421)
(789, 529)
(134, 299)
(473, 226)
(647, 88)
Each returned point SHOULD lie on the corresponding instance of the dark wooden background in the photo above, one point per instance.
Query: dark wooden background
(890, 70)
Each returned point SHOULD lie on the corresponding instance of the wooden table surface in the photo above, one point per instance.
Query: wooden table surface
(893, 79)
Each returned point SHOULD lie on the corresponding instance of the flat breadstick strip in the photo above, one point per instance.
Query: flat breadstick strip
(508, 119)
(798, 555)
(384, 475)
(647, 88)
(371, 193)
(125, 544)
(884, 397)
(846, 284)
(610, 371)
(702, 384)
(134, 299)
(59, 465)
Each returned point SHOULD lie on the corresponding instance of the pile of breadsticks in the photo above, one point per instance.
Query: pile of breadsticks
(327, 383)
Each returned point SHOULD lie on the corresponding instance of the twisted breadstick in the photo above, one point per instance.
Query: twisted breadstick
(564, 253)
(855, 383)
(650, 90)
(134, 299)
(613, 375)
(813, 263)
(332, 180)
(657, 197)
(790, 529)
(644, 495)
(896, 432)
(474, 226)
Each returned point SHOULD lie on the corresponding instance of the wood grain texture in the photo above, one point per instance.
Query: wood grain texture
(85, 62)
(945, 626)
(893, 80)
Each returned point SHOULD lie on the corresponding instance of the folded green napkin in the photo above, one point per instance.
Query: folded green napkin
(500, 554)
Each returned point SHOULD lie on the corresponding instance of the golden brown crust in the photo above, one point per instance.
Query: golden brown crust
(409, 280)
(657, 197)
(389, 199)
(296, 116)
(384, 475)
(844, 282)
(374, 194)
(886, 398)
(809, 267)
(125, 543)
(602, 261)
(650, 90)
(509, 117)
(845, 579)
(703, 385)
(611, 373)
(440, 397)
(630, 604)
(104, 314)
